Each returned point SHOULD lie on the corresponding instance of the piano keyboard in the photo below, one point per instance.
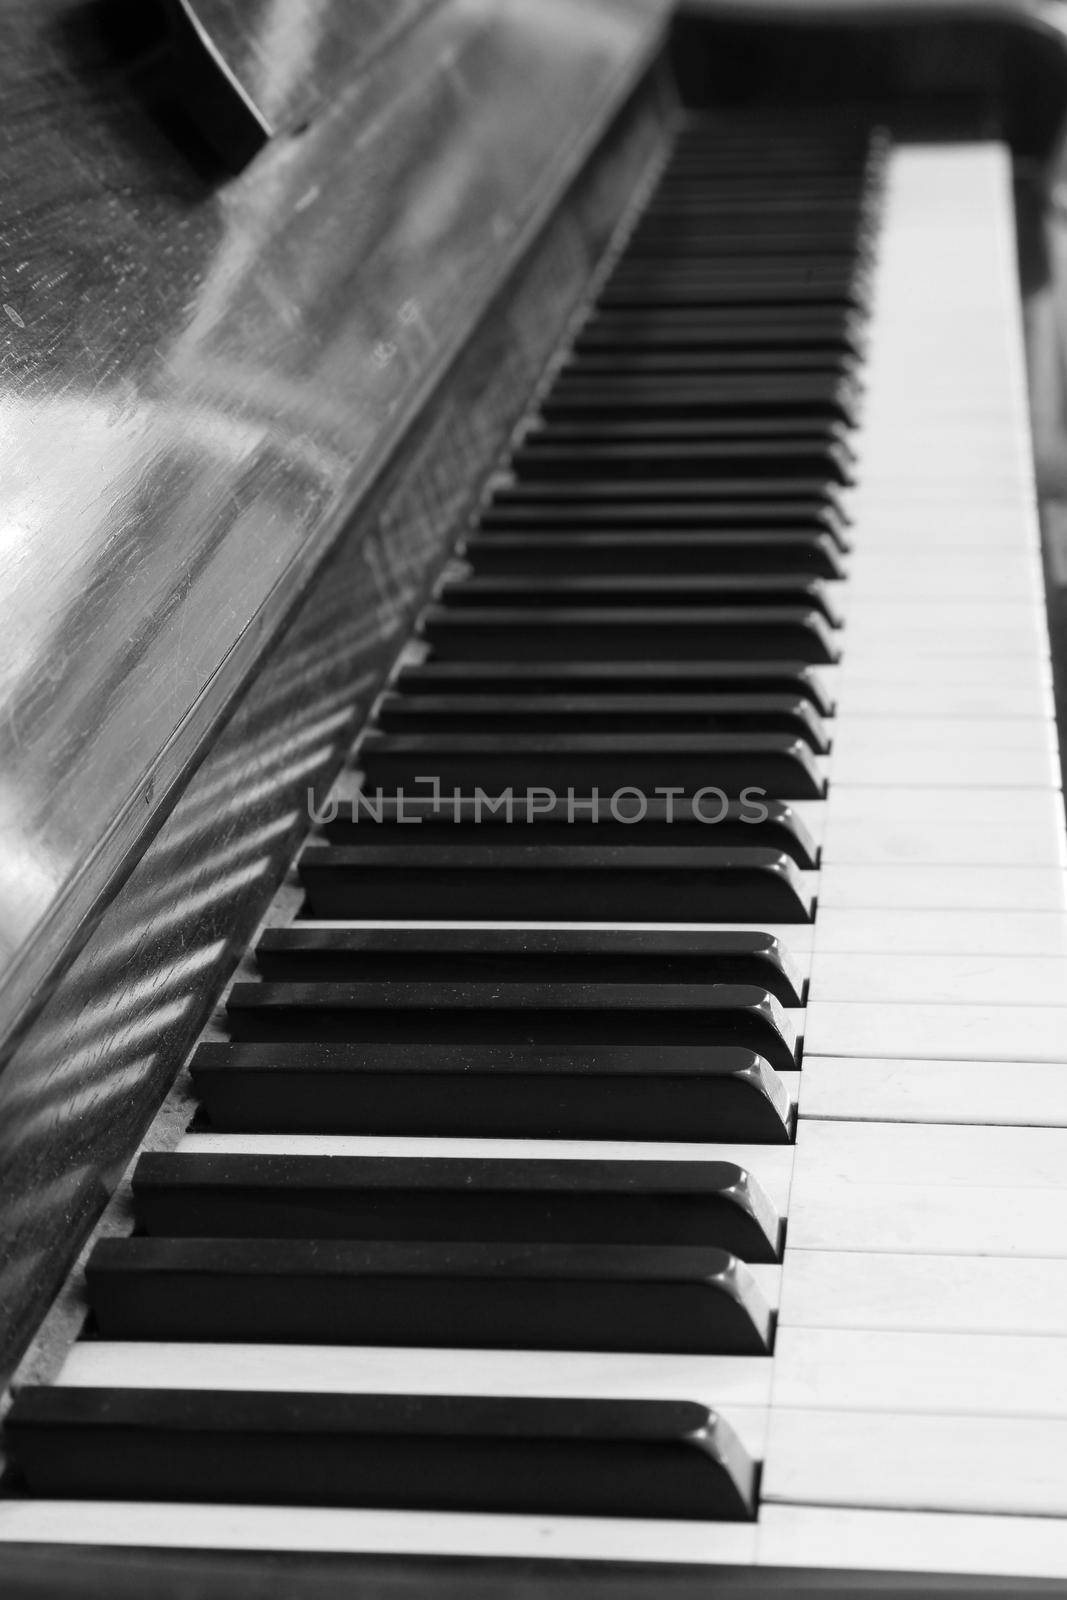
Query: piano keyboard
(688, 1189)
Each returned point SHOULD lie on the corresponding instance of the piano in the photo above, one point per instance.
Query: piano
(534, 939)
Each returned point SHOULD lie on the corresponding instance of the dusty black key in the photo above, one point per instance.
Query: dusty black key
(633, 1458)
(790, 590)
(513, 511)
(603, 713)
(472, 1296)
(572, 550)
(617, 677)
(716, 1094)
(629, 633)
(303, 954)
(457, 1199)
(368, 817)
(777, 764)
(699, 460)
(516, 1014)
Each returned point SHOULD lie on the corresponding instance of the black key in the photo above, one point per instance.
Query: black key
(539, 883)
(733, 395)
(629, 633)
(457, 1199)
(740, 237)
(691, 430)
(682, 459)
(603, 713)
(821, 278)
(510, 511)
(624, 334)
(444, 881)
(777, 764)
(617, 677)
(785, 208)
(792, 591)
(758, 290)
(477, 1296)
(747, 484)
(535, 955)
(369, 817)
(633, 1458)
(668, 364)
(708, 1015)
(719, 1095)
(572, 550)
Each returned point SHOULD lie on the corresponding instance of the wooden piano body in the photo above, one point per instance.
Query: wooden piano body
(274, 306)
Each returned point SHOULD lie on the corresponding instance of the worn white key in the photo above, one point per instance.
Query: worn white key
(922, 1293)
(877, 1089)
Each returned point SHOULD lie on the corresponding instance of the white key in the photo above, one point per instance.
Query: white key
(846, 1089)
(939, 696)
(722, 1381)
(937, 932)
(945, 807)
(922, 525)
(943, 979)
(933, 1373)
(1001, 1032)
(876, 643)
(217, 1527)
(940, 888)
(998, 827)
(911, 1541)
(878, 573)
(922, 1293)
(854, 734)
(970, 764)
(1008, 1465)
(974, 673)
(941, 844)
(934, 1190)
